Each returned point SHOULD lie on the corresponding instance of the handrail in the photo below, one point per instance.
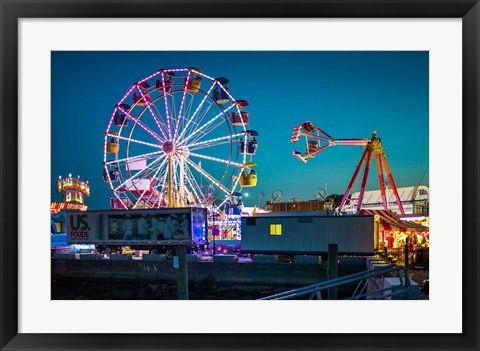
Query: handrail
(360, 276)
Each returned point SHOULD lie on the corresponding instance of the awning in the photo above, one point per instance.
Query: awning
(389, 220)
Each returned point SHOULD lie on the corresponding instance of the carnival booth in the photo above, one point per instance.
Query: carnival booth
(396, 233)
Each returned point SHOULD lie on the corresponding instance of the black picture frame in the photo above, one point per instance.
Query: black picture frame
(11, 11)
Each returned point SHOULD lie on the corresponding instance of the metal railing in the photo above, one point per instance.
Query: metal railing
(364, 279)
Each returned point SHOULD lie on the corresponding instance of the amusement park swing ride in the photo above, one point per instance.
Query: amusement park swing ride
(179, 138)
(318, 140)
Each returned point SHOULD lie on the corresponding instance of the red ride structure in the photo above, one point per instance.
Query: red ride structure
(318, 140)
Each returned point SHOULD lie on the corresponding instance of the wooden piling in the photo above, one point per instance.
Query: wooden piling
(332, 269)
(182, 273)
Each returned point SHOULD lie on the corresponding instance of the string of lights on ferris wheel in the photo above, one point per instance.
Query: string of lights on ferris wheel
(169, 112)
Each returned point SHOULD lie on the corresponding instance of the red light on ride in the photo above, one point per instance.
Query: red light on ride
(295, 134)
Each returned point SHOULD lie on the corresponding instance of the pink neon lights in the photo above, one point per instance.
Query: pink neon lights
(182, 129)
(196, 111)
(187, 82)
(147, 102)
(127, 94)
(134, 140)
(149, 77)
(141, 124)
(166, 106)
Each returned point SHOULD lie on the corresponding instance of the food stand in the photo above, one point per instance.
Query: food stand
(396, 233)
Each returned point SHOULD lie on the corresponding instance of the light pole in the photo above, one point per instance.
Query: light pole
(214, 212)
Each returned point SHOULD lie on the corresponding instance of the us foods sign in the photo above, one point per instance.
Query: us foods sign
(78, 226)
(165, 226)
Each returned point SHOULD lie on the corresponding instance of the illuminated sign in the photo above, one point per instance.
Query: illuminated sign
(56, 207)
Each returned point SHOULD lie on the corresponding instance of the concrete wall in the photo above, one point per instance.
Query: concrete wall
(134, 279)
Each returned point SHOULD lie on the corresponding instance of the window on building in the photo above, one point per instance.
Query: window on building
(422, 192)
(275, 229)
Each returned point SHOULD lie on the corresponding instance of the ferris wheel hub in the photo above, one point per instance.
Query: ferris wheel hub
(167, 147)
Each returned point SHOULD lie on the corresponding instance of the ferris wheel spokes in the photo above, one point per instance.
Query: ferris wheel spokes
(184, 117)
(217, 183)
(177, 118)
(127, 94)
(161, 193)
(192, 124)
(211, 128)
(199, 107)
(165, 94)
(181, 194)
(140, 198)
(213, 142)
(181, 182)
(157, 146)
(154, 196)
(205, 199)
(148, 104)
(182, 104)
(138, 157)
(200, 129)
(163, 124)
(140, 172)
(216, 159)
(142, 125)
(172, 106)
(194, 186)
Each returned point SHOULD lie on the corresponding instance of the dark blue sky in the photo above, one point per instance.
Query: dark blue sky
(347, 94)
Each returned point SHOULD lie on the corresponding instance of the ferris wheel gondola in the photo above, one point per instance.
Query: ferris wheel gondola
(173, 135)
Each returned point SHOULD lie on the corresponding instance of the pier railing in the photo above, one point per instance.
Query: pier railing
(367, 287)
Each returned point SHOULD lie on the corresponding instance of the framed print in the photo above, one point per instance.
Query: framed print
(72, 61)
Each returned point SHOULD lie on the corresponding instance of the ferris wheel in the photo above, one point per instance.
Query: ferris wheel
(178, 138)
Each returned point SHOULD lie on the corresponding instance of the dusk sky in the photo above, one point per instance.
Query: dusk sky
(347, 94)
